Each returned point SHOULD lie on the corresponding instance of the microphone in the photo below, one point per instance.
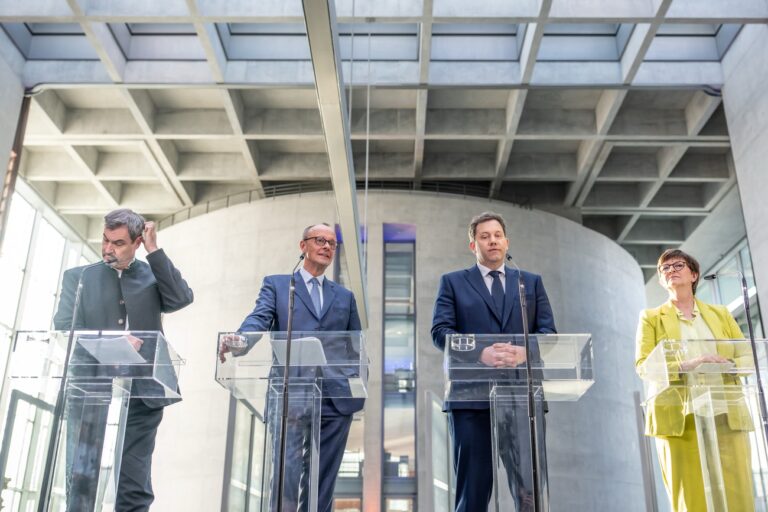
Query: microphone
(286, 386)
(529, 381)
(510, 259)
(296, 267)
(58, 409)
(79, 291)
(712, 277)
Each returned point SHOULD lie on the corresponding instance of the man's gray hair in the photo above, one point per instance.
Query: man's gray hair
(125, 217)
(485, 217)
(309, 228)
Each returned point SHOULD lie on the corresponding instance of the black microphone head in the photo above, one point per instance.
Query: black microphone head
(301, 257)
(508, 257)
(710, 277)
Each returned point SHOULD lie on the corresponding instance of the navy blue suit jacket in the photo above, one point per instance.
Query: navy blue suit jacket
(339, 314)
(464, 305)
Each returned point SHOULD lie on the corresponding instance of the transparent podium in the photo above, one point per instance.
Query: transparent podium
(324, 365)
(561, 367)
(722, 397)
(105, 371)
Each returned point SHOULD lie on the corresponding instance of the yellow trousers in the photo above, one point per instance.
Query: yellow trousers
(681, 468)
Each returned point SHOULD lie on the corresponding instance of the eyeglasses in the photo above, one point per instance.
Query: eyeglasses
(321, 241)
(676, 266)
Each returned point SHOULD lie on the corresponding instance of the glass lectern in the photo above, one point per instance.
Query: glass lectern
(561, 367)
(723, 398)
(106, 369)
(323, 365)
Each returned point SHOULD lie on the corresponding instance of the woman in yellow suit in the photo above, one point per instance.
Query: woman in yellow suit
(683, 317)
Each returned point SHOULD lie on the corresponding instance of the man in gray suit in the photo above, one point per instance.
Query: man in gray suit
(124, 293)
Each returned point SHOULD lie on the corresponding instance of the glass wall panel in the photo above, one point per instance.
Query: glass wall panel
(349, 482)
(13, 257)
(726, 289)
(347, 505)
(245, 491)
(399, 368)
(45, 267)
(442, 468)
(705, 291)
(241, 444)
(729, 285)
(399, 505)
(32, 257)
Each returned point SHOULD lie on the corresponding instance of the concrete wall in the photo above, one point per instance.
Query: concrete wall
(717, 234)
(593, 284)
(745, 97)
(11, 94)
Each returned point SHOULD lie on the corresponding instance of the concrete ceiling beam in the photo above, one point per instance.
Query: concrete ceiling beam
(639, 42)
(514, 111)
(322, 33)
(589, 165)
(422, 95)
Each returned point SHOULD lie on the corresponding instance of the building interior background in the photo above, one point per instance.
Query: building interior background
(638, 126)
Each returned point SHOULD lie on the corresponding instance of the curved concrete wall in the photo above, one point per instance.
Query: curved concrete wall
(594, 286)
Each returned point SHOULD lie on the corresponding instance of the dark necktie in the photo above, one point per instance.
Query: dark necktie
(497, 291)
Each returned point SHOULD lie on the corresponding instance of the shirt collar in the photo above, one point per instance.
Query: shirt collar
(485, 270)
(307, 277)
(121, 270)
(680, 313)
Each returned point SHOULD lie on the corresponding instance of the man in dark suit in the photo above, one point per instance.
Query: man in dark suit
(320, 305)
(483, 299)
(122, 294)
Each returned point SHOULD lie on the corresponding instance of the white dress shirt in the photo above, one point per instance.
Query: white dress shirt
(488, 278)
(307, 277)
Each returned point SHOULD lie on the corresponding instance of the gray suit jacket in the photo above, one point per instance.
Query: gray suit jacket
(141, 295)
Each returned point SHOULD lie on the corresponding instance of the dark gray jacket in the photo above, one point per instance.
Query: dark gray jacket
(142, 293)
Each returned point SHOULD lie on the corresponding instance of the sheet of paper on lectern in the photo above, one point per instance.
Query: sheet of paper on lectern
(114, 351)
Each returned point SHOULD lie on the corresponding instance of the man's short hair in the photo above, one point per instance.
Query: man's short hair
(309, 228)
(485, 217)
(689, 260)
(125, 217)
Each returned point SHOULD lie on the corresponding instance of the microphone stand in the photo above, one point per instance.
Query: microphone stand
(529, 382)
(53, 442)
(753, 345)
(286, 371)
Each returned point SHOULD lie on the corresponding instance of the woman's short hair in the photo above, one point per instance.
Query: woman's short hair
(689, 260)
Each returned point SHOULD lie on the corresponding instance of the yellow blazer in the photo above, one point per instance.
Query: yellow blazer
(661, 323)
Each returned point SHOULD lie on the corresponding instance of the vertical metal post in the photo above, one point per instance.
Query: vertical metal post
(11, 173)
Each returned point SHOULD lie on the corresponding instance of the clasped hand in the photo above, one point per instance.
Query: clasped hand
(691, 364)
(503, 355)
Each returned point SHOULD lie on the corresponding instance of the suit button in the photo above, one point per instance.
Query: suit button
(121, 302)
(120, 321)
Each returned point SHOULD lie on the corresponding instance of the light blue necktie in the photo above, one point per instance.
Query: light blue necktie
(315, 294)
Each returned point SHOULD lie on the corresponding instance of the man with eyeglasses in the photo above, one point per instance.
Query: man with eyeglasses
(320, 305)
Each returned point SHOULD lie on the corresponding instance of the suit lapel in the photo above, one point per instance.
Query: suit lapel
(670, 322)
(303, 294)
(329, 295)
(712, 321)
(511, 293)
(475, 279)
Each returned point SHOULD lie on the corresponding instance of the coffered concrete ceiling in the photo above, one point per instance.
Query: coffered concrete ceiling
(606, 112)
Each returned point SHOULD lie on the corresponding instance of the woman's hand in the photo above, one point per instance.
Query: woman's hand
(692, 364)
